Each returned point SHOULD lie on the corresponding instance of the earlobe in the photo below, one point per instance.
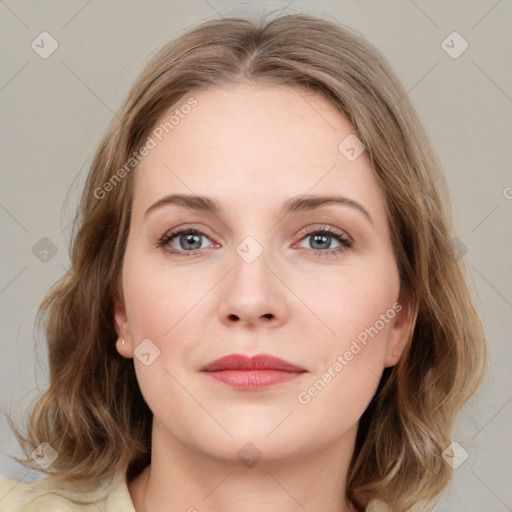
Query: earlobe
(123, 348)
(401, 331)
(123, 343)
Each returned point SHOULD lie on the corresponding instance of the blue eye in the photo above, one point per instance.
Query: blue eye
(184, 241)
(321, 241)
(190, 241)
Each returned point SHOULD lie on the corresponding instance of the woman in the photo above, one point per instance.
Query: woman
(264, 310)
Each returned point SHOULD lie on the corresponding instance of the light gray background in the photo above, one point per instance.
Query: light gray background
(55, 110)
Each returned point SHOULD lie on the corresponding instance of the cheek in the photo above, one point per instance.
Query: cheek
(334, 402)
(353, 303)
(171, 308)
(160, 299)
(359, 309)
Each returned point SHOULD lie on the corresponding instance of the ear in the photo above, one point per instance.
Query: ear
(122, 328)
(400, 330)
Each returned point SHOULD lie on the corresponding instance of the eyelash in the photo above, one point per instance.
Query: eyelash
(344, 240)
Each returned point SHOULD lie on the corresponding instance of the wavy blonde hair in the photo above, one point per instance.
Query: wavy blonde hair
(93, 413)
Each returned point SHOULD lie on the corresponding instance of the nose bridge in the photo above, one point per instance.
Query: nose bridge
(250, 249)
(251, 290)
(250, 271)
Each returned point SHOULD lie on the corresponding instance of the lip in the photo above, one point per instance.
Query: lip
(251, 373)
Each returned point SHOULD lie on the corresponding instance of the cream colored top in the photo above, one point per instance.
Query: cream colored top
(51, 494)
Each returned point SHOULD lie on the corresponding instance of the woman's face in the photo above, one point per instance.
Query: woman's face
(272, 269)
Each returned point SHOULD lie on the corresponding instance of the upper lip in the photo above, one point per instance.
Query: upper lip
(257, 362)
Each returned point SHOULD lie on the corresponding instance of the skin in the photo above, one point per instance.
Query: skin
(251, 147)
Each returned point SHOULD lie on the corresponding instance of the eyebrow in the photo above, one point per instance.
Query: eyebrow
(294, 205)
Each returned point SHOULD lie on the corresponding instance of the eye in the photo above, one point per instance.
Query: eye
(188, 241)
(185, 241)
(326, 241)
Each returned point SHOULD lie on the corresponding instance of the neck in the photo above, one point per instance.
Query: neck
(180, 479)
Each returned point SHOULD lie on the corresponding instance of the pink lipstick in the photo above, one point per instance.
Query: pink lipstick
(252, 373)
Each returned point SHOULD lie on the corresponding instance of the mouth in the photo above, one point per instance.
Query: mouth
(252, 373)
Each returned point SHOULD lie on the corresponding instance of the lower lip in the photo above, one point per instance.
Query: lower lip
(253, 379)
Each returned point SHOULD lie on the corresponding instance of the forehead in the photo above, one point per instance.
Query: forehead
(266, 122)
(253, 142)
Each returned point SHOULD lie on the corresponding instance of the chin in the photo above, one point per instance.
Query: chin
(254, 451)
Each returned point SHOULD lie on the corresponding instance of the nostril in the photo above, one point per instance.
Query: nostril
(233, 317)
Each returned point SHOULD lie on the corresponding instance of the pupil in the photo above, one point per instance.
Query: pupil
(319, 239)
(191, 239)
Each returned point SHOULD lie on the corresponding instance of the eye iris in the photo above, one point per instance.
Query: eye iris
(318, 239)
(190, 238)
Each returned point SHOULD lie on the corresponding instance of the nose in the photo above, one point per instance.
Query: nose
(252, 295)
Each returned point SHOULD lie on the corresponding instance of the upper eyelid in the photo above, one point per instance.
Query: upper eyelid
(325, 228)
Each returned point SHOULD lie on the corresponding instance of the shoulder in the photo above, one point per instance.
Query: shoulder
(377, 506)
(52, 494)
